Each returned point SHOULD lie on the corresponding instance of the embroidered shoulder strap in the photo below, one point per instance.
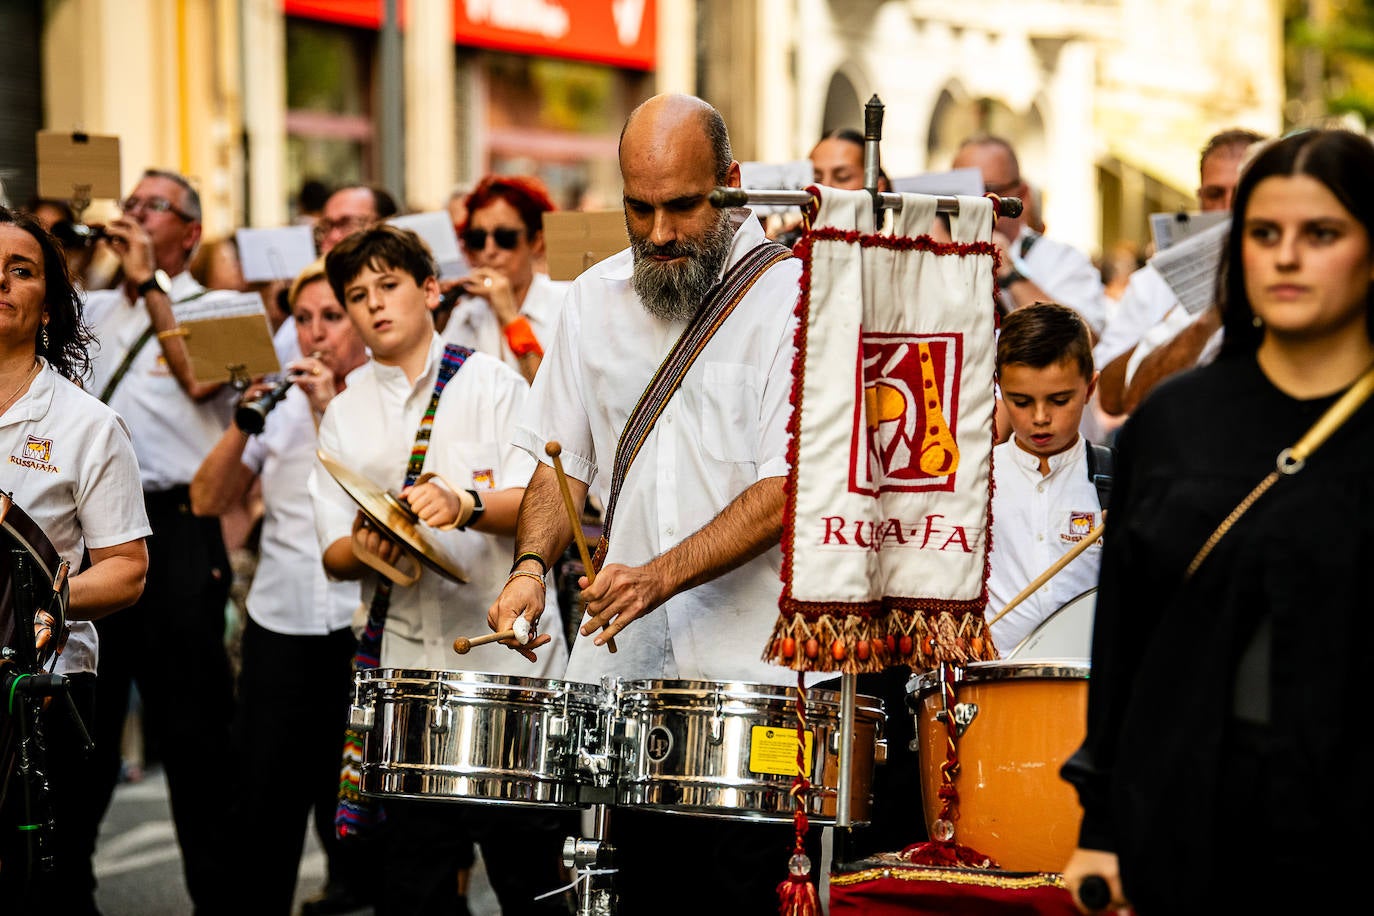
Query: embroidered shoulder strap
(720, 302)
(132, 353)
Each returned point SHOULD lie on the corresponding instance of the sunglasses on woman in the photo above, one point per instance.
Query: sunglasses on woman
(504, 236)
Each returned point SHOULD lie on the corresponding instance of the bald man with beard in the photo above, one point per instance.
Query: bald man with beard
(690, 579)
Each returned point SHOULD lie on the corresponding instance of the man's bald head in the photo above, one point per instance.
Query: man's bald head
(672, 119)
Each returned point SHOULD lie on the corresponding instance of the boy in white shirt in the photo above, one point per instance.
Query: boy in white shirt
(1044, 501)
(387, 281)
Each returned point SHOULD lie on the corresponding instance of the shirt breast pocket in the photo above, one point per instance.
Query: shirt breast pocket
(730, 411)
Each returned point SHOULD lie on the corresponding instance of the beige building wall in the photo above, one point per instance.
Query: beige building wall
(1082, 87)
(159, 74)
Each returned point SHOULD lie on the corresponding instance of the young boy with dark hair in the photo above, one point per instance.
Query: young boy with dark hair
(1044, 501)
(419, 406)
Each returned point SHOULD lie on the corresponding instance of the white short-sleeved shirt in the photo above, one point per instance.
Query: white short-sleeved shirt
(1066, 274)
(473, 323)
(1166, 330)
(1035, 521)
(723, 431)
(70, 466)
(1147, 299)
(172, 433)
(371, 428)
(290, 592)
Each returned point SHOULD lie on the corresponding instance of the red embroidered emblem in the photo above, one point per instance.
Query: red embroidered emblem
(904, 436)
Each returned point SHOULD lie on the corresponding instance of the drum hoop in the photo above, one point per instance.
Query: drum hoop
(986, 672)
(459, 682)
(642, 692)
(23, 541)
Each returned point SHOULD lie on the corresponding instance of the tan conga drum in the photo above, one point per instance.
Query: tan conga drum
(1019, 721)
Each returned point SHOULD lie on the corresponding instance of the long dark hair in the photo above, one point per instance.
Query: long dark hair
(1341, 160)
(69, 338)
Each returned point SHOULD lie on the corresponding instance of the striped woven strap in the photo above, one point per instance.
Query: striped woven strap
(369, 645)
(356, 815)
(720, 302)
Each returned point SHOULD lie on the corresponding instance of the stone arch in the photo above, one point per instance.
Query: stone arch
(844, 107)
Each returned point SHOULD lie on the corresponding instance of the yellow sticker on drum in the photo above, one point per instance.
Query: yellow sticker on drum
(774, 750)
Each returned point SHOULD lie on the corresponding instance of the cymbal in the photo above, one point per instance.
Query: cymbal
(392, 516)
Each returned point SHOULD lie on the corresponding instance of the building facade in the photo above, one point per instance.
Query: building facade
(1107, 101)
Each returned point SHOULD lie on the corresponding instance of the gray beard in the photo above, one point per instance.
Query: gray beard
(675, 292)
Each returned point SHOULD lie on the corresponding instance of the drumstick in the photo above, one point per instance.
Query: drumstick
(554, 451)
(1050, 573)
(519, 631)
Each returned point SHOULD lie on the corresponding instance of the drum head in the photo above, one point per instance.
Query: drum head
(1067, 633)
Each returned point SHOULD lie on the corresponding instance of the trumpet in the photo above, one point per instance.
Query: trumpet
(250, 415)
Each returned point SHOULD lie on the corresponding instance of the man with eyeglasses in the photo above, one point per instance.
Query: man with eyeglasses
(1034, 267)
(349, 209)
(171, 643)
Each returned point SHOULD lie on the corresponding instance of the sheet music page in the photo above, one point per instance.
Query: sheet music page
(221, 304)
(1171, 228)
(275, 254)
(796, 175)
(435, 227)
(1190, 266)
(953, 183)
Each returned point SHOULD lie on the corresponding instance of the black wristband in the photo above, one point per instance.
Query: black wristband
(1014, 277)
(530, 555)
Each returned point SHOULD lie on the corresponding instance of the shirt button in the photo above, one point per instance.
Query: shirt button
(668, 531)
(1040, 488)
(1039, 537)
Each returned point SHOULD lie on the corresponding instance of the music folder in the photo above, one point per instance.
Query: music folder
(576, 239)
(77, 166)
(228, 336)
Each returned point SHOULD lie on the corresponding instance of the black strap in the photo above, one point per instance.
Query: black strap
(1101, 467)
(132, 353)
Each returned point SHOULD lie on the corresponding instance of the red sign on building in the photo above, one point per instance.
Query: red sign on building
(621, 33)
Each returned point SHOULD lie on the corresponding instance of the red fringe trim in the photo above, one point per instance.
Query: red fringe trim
(861, 643)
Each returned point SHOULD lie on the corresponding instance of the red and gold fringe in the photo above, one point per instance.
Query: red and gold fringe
(858, 643)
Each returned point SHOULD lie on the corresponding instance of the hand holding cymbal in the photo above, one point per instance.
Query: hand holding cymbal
(520, 631)
(554, 451)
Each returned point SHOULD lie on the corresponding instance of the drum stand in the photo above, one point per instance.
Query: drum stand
(594, 857)
(27, 687)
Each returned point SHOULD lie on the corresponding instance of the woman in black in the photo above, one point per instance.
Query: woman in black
(1227, 710)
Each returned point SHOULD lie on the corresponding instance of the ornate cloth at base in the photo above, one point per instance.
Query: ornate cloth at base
(883, 888)
(888, 496)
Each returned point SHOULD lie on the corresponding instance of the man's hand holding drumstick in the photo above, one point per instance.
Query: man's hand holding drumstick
(548, 521)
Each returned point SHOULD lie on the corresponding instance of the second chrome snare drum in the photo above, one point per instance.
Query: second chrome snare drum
(729, 750)
(471, 736)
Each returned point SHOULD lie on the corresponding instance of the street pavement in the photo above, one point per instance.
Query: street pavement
(138, 864)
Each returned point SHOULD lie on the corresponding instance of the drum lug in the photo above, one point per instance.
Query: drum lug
(880, 751)
(440, 718)
(360, 718)
(717, 729)
(558, 728)
(626, 731)
(964, 714)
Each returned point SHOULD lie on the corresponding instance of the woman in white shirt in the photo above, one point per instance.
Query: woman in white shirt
(70, 467)
(509, 307)
(296, 678)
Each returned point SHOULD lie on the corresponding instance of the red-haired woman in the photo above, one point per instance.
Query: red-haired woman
(509, 308)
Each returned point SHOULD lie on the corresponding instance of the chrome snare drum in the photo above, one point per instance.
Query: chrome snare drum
(472, 736)
(729, 750)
